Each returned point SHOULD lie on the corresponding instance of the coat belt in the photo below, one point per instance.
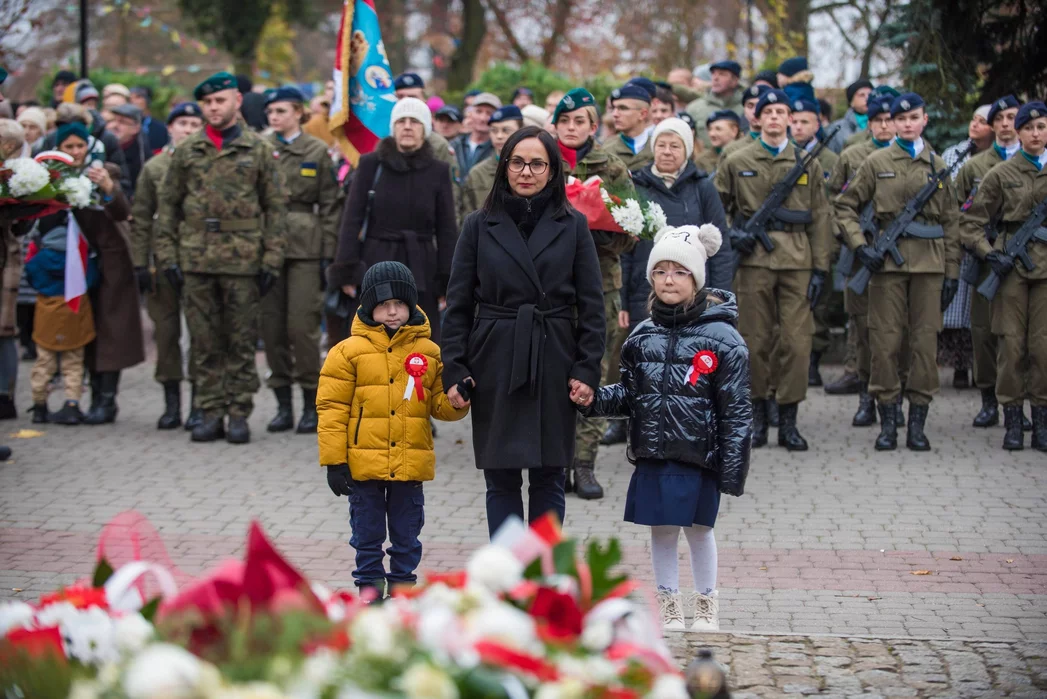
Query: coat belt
(412, 242)
(528, 337)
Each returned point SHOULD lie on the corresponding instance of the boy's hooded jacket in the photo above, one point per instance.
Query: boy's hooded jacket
(365, 420)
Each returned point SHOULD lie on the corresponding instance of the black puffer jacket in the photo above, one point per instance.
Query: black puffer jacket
(707, 424)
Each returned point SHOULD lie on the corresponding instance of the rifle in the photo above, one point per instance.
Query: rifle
(756, 225)
(1017, 248)
(887, 244)
(867, 224)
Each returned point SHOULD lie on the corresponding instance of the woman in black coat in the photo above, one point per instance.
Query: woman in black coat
(411, 215)
(525, 322)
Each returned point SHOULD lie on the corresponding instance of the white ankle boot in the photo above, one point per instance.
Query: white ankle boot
(706, 610)
(671, 610)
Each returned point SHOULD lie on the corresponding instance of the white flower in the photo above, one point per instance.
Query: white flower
(77, 191)
(424, 681)
(163, 670)
(655, 217)
(495, 568)
(629, 217)
(28, 176)
(597, 635)
(56, 614)
(592, 670)
(89, 637)
(503, 623)
(15, 615)
(669, 687)
(315, 676)
(569, 688)
(374, 634)
(250, 690)
(132, 633)
(82, 689)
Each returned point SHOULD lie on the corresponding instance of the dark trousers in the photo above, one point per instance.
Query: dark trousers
(505, 496)
(371, 505)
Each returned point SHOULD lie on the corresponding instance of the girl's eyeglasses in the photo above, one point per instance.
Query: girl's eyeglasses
(677, 274)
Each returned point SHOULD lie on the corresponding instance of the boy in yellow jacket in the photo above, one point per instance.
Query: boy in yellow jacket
(377, 392)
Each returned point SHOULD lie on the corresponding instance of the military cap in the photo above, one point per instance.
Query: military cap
(3, 75)
(407, 80)
(284, 94)
(879, 105)
(216, 83)
(522, 91)
(630, 91)
(1028, 112)
(577, 98)
(906, 103)
(885, 91)
(184, 109)
(1008, 102)
(729, 66)
(755, 92)
(687, 118)
(805, 105)
(772, 97)
(449, 112)
(800, 91)
(646, 84)
(128, 111)
(506, 113)
(768, 76)
(792, 66)
(471, 93)
(722, 114)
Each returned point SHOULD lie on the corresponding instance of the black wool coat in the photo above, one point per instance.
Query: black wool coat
(523, 317)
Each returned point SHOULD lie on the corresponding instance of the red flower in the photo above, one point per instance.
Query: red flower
(454, 580)
(36, 643)
(78, 596)
(557, 614)
(500, 656)
(6, 174)
(55, 175)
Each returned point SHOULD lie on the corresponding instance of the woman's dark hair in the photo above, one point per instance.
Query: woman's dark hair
(500, 190)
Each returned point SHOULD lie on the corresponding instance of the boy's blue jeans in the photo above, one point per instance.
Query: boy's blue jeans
(372, 503)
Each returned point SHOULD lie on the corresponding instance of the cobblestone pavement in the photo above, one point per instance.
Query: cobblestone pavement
(950, 544)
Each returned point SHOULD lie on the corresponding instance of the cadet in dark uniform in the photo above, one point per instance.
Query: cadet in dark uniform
(630, 107)
(291, 311)
(723, 128)
(915, 294)
(781, 286)
(749, 101)
(1008, 193)
(220, 241)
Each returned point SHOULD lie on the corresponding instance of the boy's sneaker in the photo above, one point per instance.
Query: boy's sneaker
(706, 611)
(39, 411)
(671, 611)
(69, 414)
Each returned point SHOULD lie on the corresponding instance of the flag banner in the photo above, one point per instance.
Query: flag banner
(363, 82)
(75, 265)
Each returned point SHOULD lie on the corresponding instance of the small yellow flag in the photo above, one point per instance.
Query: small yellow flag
(168, 70)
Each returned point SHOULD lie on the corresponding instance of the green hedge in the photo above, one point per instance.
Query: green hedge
(502, 78)
(163, 91)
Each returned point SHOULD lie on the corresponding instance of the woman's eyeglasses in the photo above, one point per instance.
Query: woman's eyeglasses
(677, 274)
(517, 165)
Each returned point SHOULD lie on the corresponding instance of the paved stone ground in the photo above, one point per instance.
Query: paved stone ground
(825, 542)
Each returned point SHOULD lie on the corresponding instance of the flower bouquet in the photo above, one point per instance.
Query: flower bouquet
(42, 185)
(616, 212)
(527, 618)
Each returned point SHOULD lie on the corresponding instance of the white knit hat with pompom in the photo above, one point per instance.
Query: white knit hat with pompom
(688, 246)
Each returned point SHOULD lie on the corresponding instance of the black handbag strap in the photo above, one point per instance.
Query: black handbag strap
(370, 200)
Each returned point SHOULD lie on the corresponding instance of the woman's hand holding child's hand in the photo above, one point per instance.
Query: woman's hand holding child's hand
(581, 394)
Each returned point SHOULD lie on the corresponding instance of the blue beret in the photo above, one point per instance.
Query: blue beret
(451, 112)
(284, 94)
(772, 97)
(630, 91)
(1028, 112)
(577, 98)
(729, 66)
(647, 84)
(687, 119)
(805, 105)
(906, 103)
(216, 83)
(472, 93)
(723, 114)
(189, 109)
(878, 105)
(755, 92)
(408, 80)
(1008, 102)
(506, 113)
(522, 91)
(792, 66)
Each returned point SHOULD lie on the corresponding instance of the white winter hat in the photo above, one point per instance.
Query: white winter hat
(689, 246)
(678, 127)
(413, 108)
(535, 116)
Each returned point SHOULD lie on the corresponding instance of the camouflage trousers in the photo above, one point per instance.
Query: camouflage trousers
(222, 313)
(291, 325)
(590, 430)
(165, 310)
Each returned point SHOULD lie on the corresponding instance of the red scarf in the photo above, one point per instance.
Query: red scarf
(215, 135)
(570, 155)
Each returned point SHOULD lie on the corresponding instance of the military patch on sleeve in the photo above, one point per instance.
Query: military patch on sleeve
(803, 179)
(969, 201)
(884, 175)
(749, 173)
(307, 170)
(930, 177)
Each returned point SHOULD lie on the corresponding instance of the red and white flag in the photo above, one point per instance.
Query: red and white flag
(75, 264)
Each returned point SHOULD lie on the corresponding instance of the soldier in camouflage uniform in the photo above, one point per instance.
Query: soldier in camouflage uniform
(162, 300)
(220, 241)
(576, 121)
(480, 180)
(291, 311)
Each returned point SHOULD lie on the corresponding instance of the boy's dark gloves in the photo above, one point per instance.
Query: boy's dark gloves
(339, 479)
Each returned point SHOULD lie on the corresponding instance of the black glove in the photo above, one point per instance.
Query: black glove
(949, 289)
(816, 287)
(145, 280)
(339, 479)
(175, 276)
(266, 281)
(324, 264)
(869, 258)
(1000, 263)
(744, 244)
(465, 388)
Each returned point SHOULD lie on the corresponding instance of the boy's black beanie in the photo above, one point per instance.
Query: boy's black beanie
(384, 281)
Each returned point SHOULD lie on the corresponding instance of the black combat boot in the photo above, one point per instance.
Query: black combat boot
(759, 423)
(69, 414)
(210, 429)
(1013, 438)
(1039, 427)
(238, 432)
(309, 421)
(172, 417)
(284, 419)
(40, 414)
(814, 374)
(989, 415)
(846, 385)
(788, 436)
(915, 439)
(615, 433)
(888, 439)
(8, 411)
(104, 409)
(773, 419)
(196, 415)
(866, 414)
(586, 486)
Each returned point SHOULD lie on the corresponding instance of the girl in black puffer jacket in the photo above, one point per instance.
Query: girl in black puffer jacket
(685, 386)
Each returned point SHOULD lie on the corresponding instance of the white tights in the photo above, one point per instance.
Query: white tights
(665, 558)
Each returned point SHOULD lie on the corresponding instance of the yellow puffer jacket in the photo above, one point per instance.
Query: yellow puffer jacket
(364, 419)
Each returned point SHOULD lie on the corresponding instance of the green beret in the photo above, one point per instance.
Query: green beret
(575, 99)
(3, 75)
(215, 83)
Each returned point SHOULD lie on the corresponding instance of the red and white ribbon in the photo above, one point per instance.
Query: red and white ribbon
(704, 362)
(415, 365)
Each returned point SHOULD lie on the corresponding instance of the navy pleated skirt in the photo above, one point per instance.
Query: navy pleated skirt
(671, 493)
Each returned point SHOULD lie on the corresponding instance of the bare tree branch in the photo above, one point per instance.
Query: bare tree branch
(560, 17)
(831, 6)
(507, 30)
(843, 33)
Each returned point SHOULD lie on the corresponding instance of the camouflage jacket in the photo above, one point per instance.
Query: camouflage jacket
(222, 211)
(146, 202)
(312, 186)
(478, 184)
